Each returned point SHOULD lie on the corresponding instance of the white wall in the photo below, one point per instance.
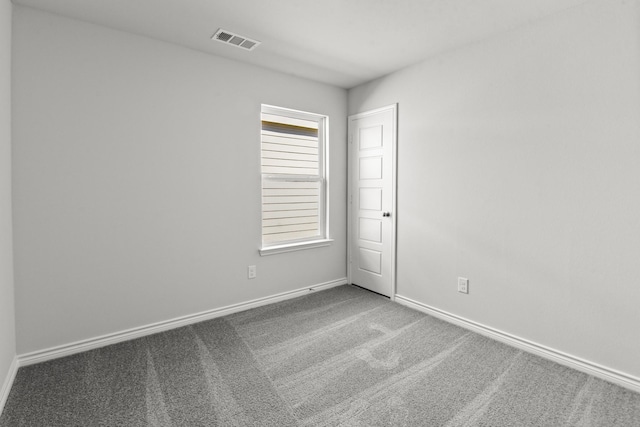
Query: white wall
(137, 181)
(7, 325)
(518, 168)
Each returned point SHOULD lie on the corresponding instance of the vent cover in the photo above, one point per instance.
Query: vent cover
(228, 37)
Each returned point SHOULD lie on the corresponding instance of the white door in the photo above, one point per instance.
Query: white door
(372, 151)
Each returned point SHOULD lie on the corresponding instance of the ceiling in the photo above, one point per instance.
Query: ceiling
(339, 42)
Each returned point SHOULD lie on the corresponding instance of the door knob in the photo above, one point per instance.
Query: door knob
(386, 213)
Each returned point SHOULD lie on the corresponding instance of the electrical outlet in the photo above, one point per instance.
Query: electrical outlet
(251, 272)
(463, 285)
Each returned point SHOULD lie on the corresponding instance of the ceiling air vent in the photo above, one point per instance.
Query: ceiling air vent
(228, 37)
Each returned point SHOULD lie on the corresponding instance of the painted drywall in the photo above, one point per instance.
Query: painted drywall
(7, 318)
(518, 169)
(137, 181)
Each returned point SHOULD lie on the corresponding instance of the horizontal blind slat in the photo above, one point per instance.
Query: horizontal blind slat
(290, 207)
(269, 192)
(290, 163)
(269, 117)
(268, 200)
(296, 157)
(289, 148)
(287, 155)
(288, 170)
(289, 214)
(289, 228)
(283, 237)
(305, 184)
(290, 220)
(281, 139)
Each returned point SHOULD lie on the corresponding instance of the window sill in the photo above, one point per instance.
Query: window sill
(292, 247)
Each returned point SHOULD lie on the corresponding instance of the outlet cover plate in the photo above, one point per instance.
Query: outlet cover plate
(251, 272)
(463, 285)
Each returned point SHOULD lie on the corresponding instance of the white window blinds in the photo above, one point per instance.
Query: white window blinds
(293, 181)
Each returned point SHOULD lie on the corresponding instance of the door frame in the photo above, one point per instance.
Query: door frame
(394, 190)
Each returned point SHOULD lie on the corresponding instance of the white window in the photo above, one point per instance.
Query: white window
(294, 182)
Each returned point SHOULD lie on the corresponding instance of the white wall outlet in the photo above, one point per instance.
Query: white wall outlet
(463, 285)
(251, 272)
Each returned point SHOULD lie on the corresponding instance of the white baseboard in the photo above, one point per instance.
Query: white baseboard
(628, 381)
(129, 334)
(8, 382)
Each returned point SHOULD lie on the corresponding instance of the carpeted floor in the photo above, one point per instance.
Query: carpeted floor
(341, 357)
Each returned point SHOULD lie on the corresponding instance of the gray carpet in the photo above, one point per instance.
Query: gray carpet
(341, 357)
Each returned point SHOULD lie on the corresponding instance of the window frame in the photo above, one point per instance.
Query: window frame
(322, 178)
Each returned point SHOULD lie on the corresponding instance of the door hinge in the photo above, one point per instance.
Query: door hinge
(351, 139)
